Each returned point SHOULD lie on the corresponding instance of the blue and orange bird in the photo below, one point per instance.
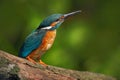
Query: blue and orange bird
(41, 39)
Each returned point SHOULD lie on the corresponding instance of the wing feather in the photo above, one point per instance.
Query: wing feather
(32, 42)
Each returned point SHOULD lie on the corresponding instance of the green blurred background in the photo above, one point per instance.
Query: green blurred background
(89, 41)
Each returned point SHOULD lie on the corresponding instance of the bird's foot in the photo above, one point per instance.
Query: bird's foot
(31, 60)
(42, 63)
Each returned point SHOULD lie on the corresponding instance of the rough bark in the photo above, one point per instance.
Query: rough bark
(15, 68)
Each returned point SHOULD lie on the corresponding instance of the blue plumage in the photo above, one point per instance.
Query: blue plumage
(47, 21)
(47, 30)
(31, 42)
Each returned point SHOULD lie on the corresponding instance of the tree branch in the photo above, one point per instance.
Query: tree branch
(15, 68)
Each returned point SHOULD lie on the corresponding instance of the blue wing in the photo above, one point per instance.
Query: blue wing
(31, 43)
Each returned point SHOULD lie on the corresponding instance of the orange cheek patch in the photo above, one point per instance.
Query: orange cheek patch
(62, 17)
(53, 24)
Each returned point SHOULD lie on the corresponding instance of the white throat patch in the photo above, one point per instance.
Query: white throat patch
(47, 27)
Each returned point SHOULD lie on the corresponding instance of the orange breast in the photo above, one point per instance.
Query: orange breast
(45, 45)
(48, 40)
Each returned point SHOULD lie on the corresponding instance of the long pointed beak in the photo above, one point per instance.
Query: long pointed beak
(72, 13)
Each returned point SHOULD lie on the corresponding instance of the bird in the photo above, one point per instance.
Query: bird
(42, 38)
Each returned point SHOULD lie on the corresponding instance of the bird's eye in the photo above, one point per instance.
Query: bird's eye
(57, 20)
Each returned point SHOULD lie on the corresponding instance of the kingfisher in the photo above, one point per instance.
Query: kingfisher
(42, 38)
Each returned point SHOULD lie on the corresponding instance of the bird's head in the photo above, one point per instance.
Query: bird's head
(54, 21)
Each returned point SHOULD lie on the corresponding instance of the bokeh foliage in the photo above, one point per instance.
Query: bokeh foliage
(89, 41)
